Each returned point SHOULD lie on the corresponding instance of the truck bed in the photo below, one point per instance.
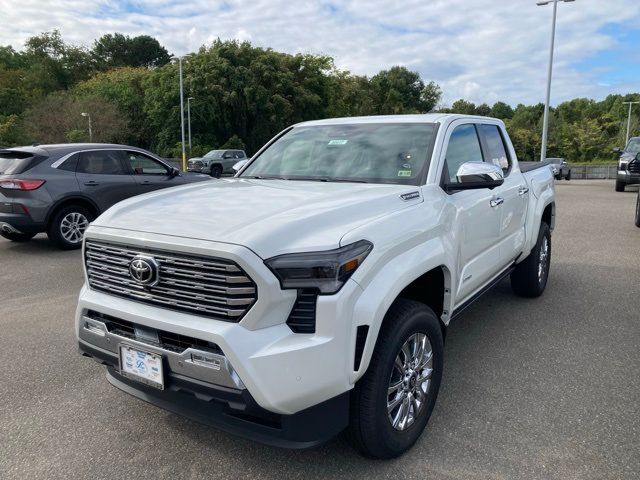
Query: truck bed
(528, 166)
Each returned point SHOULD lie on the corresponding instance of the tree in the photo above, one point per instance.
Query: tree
(399, 90)
(118, 50)
(501, 110)
(463, 107)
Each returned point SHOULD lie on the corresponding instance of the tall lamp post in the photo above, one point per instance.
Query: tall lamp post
(84, 114)
(545, 124)
(189, 120)
(184, 155)
(631, 104)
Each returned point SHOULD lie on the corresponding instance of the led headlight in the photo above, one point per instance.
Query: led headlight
(325, 271)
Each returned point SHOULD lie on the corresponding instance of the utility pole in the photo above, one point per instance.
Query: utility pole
(545, 124)
(631, 104)
(184, 154)
(189, 120)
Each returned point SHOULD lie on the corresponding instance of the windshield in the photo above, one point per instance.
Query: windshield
(14, 162)
(214, 154)
(373, 153)
(555, 161)
(634, 146)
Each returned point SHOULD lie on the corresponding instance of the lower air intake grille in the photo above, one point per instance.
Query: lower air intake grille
(302, 318)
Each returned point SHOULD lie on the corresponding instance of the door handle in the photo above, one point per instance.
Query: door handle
(523, 191)
(496, 201)
(91, 183)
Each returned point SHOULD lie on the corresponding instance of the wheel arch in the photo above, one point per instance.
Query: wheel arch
(72, 200)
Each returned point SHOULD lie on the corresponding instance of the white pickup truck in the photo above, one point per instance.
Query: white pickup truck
(314, 293)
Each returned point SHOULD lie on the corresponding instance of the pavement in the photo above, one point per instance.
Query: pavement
(545, 388)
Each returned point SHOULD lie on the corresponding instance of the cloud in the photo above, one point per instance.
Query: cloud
(480, 50)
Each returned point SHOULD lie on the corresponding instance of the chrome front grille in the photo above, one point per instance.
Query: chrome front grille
(207, 286)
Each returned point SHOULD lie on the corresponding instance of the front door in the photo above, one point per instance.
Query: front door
(476, 223)
(149, 174)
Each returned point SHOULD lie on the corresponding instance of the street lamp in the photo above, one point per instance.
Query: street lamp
(189, 121)
(84, 114)
(545, 124)
(631, 104)
(184, 155)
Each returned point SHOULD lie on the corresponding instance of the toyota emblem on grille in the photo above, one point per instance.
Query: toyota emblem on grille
(144, 270)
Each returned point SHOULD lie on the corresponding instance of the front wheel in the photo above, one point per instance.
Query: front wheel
(529, 279)
(17, 237)
(392, 403)
(568, 177)
(638, 210)
(619, 186)
(216, 171)
(68, 225)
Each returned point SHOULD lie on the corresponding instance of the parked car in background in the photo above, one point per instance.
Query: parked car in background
(560, 168)
(638, 209)
(60, 189)
(216, 162)
(628, 164)
(311, 293)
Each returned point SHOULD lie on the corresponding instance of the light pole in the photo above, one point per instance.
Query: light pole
(545, 124)
(189, 120)
(84, 114)
(631, 104)
(184, 155)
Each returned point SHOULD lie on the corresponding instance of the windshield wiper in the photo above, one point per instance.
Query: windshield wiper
(258, 177)
(327, 179)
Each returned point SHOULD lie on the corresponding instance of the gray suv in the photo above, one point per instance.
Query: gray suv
(60, 189)
(628, 164)
(216, 162)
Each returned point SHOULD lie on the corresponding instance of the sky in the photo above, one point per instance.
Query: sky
(479, 50)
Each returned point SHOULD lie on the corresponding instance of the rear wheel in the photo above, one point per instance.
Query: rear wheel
(17, 237)
(529, 279)
(619, 186)
(216, 171)
(68, 225)
(392, 403)
(638, 210)
(568, 177)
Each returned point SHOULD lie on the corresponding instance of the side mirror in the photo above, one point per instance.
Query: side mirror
(174, 172)
(638, 157)
(238, 166)
(617, 150)
(473, 175)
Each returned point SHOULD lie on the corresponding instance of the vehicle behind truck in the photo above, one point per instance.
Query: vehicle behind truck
(311, 293)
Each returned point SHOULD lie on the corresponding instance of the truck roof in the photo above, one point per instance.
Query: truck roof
(411, 118)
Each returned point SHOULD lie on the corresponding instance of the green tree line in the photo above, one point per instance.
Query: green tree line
(242, 95)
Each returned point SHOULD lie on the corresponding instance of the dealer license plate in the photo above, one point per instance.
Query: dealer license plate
(141, 366)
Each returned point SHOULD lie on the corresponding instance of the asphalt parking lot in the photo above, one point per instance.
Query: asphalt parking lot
(545, 388)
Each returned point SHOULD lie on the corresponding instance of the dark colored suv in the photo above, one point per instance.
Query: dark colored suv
(60, 189)
(628, 164)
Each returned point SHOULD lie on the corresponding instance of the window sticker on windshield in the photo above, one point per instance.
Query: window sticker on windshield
(404, 173)
(338, 142)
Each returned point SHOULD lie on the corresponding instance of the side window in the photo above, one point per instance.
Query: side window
(101, 162)
(241, 154)
(143, 165)
(464, 146)
(497, 151)
(70, 163)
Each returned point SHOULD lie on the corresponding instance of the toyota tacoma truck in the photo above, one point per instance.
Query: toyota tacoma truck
(314, 295)
(628, 164)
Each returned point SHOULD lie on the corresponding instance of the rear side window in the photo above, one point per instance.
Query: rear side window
(101, 162)
(13, 162)
(69, 164)
(464, 146)
(495, 146)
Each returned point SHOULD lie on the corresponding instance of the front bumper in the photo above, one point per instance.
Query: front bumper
(628, 177)
(232, 410)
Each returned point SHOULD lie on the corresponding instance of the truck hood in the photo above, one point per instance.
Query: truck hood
(271, 217)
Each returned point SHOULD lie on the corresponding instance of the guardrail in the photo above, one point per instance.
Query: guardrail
(594, 172)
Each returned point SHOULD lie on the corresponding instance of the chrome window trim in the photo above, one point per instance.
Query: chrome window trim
(66, 157)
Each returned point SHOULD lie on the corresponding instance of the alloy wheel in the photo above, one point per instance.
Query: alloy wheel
(73, 226)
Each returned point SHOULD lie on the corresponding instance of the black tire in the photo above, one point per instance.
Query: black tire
(568, 177)
(620, 186)
(638, 210)
(216, 171)
(527, 280)
(370, 429)
(17, 237)
(55, 232)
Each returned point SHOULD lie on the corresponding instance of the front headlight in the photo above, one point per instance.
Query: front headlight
(325, 271)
